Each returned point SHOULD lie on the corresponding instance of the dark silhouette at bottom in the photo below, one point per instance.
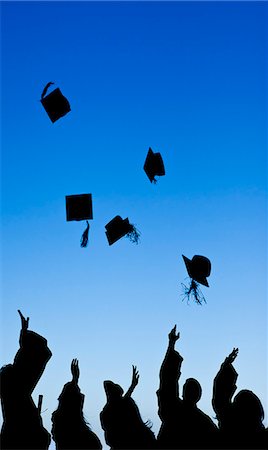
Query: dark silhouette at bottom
(69, 429)
(184, 426)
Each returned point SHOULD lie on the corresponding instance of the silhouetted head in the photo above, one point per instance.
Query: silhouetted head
(248, 407)
(112, 390)
(191, 391)
(71, 399)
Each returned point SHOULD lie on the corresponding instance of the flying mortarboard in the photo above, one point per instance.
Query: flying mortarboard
(118, 227)
(198, 268)
(55, 104)
(79, 207)
(153, 165)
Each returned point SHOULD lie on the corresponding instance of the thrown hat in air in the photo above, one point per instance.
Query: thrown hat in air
(79, 207)
(198, 268)
(55, 104)
(118, 227)
(153, 165)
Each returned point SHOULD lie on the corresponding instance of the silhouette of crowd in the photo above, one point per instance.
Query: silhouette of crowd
(183, 424)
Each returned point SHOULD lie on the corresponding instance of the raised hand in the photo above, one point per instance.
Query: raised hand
(173, 337)
(230, 358)
(75, 370)
(135, 376)
(134, 381)
(24, 322)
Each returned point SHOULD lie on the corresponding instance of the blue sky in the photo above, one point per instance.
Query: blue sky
(189, 80)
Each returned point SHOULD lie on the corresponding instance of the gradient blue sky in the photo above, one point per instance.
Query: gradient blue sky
(189, 80)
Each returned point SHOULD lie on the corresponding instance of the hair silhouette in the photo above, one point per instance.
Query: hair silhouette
(69, 427)
(184, 425)
(240, 420)
(22, 423)
(121, 420)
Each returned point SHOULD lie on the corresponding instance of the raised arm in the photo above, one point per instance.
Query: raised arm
(224, 385)
(170, 371)
(171, 365)
(134, 381)
(172, 338)
(75, 371)
(31, 358)
(24, 326)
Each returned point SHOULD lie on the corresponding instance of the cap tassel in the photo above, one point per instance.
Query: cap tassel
(194, 292)
(45, 89)
(84, 238)
(133, 235)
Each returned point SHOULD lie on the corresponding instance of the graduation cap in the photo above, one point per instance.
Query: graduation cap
(79, 207)
(198, 268)
(153, 165)
(55, 104)
(118, 227)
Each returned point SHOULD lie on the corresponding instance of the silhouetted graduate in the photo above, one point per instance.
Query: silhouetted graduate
(121, 420)
(184, 425)
(198, 268)
(22, 423)
(153, 165)
(118, 228)
(69, 428)
(79, 207)
(55, 104)
(241, 419)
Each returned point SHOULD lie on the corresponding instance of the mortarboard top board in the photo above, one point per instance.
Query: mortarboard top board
(198, 268)
(153, 165)
(55, 104)
(79, 207)
(118, 227)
